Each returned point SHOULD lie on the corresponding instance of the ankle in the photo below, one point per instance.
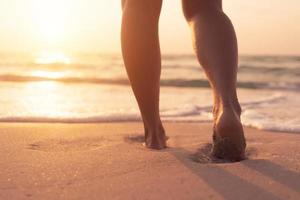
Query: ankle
(227, 105)
(155, 131)
(153, 127)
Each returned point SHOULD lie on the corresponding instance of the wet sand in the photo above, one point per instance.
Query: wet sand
(108, 161)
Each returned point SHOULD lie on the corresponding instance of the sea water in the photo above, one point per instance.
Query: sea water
(88, 88)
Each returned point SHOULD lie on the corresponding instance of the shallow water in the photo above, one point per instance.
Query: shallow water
(94, 88)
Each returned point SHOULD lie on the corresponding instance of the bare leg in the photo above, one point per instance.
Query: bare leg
(216, 47)
(141, 52)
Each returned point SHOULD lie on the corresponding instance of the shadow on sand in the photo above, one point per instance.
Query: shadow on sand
(276, 172)
(228, 184)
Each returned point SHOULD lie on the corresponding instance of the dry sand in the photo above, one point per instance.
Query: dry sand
(108, 161)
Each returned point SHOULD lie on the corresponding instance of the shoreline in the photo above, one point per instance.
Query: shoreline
(266, 110)
(134, 122)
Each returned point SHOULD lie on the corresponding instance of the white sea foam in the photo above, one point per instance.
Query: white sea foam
(279, 114)
(253, 118)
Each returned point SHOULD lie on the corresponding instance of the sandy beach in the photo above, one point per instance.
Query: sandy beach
(79, 78)
(108, 161)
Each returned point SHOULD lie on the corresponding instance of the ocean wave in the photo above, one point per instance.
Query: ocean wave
(191, 83)
(254, 115)
(252, 118)
(272, 70)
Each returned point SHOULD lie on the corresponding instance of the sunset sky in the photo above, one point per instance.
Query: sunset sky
(263, 27)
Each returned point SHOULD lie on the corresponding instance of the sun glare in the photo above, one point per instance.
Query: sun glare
(52, 58)
(47, 74)
(50, 18)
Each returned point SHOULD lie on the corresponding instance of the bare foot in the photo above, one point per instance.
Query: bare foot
(156, 139)
(228, 137)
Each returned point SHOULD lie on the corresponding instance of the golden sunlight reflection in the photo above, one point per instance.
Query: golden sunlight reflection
(52, 58)
(45, 98)
(47, 74)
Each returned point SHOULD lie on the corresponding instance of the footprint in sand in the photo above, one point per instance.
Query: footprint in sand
(140, 139)
(81, 144)
(203, 155)
(134, 139)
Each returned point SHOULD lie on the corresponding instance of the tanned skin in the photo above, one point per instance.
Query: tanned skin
(215, 45)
